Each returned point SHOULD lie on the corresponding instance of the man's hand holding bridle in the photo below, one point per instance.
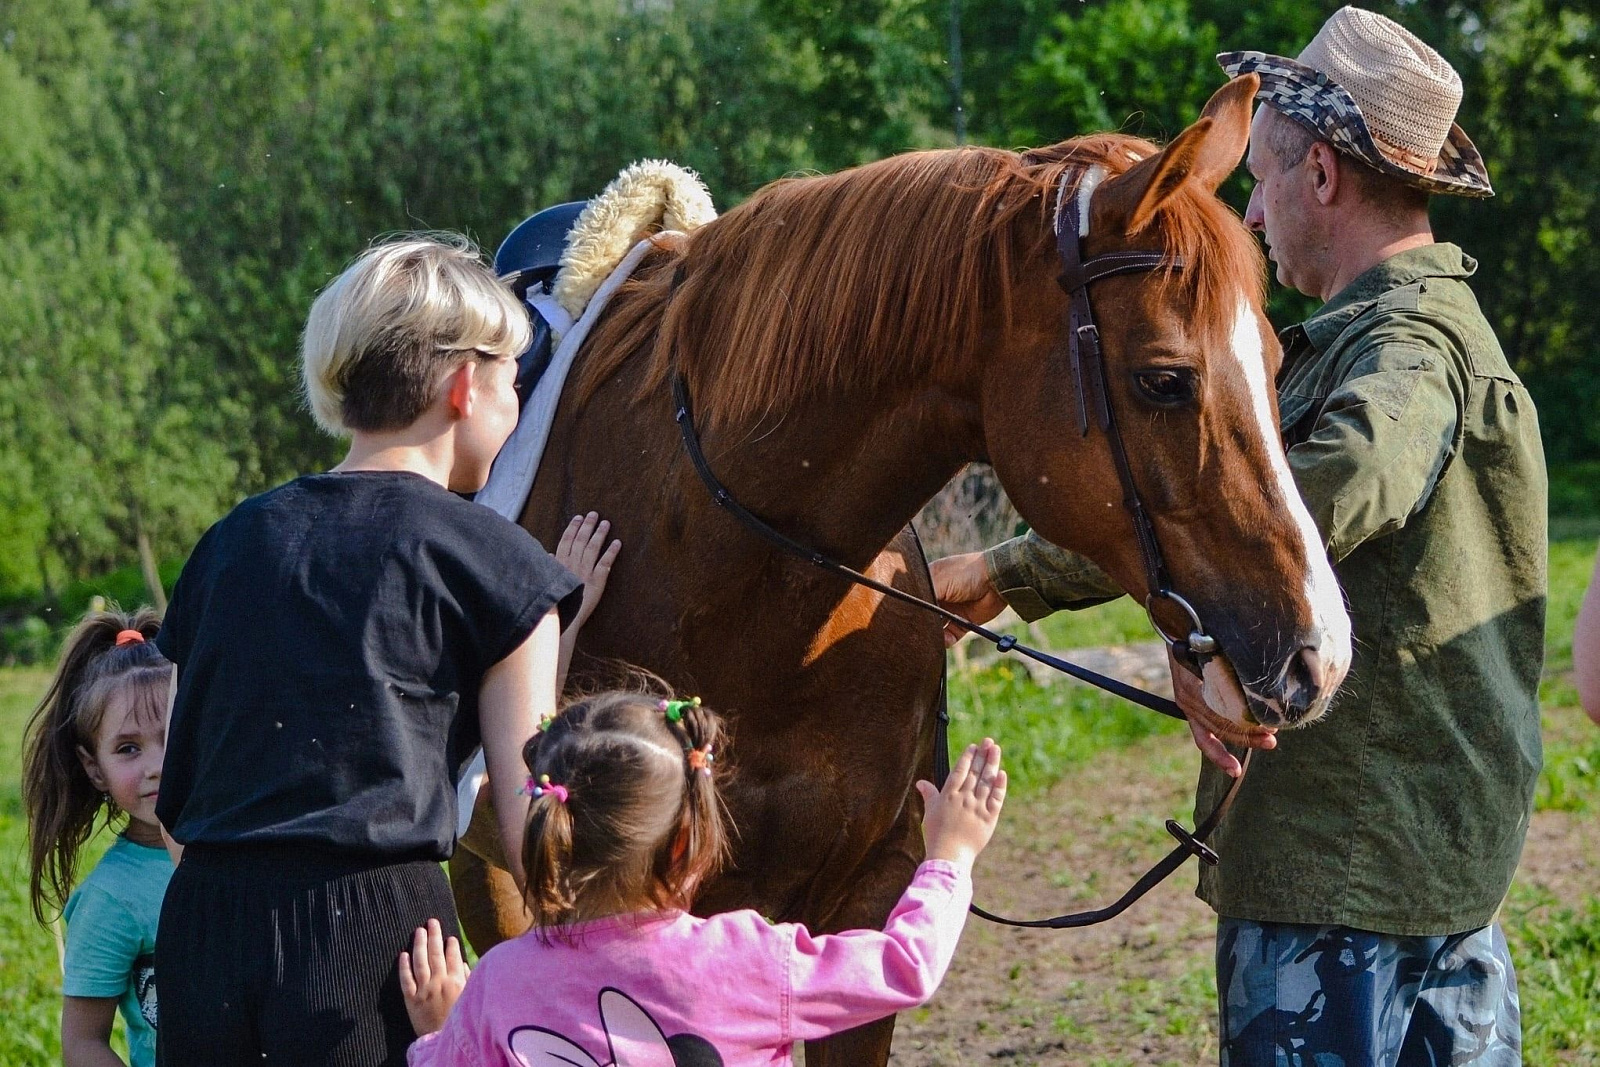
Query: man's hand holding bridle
(1189, 692)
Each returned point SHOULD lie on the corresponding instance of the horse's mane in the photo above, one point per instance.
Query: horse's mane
(881, 272)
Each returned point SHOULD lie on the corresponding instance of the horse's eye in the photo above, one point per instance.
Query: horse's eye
(1166, 386)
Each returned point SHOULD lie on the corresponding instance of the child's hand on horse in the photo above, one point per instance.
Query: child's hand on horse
(959, 820)
(432, 976)
(584, 552)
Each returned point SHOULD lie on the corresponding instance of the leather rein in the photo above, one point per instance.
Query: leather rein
(1088, 368)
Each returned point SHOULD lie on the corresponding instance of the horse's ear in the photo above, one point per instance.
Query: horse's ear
(1207, 152)
(1229, 111)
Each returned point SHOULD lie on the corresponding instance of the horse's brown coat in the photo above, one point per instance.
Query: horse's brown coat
(851, 341)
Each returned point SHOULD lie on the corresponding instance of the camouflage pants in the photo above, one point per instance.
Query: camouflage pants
(1332, 996)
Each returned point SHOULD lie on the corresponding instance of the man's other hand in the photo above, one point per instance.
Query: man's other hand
(962, 585)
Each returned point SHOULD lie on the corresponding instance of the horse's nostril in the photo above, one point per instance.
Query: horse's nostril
(1305, 682)
(1312, 668)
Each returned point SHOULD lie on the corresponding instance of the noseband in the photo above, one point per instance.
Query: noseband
(1089, 371)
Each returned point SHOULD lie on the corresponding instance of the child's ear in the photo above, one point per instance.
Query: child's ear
(458, 389)
(91, 767)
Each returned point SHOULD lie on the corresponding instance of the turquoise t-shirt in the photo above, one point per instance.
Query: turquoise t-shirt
(111, 938)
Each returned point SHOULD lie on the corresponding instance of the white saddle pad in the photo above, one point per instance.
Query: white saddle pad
(511, 478)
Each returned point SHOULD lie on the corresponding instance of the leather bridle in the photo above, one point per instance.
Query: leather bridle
(1089, 372)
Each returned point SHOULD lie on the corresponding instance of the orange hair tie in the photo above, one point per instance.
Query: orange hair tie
(129, 637)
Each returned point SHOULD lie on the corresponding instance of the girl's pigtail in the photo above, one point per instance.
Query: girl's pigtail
(546, 843)
(547, 860)
(61, 802)
(705, 839)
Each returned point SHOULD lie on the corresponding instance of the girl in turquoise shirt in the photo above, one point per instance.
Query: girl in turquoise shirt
(94, 750)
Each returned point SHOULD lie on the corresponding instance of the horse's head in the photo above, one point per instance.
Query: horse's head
(908, 310)
(1189, 361)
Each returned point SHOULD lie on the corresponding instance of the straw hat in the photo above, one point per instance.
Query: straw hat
(1376, 91)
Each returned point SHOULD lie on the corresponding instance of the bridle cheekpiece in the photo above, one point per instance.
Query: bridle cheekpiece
(1089, 373)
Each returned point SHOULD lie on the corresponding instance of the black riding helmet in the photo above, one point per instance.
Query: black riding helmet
(532, 252)
(529, 256)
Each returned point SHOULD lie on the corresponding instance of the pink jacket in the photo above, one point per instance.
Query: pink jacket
(672, 990)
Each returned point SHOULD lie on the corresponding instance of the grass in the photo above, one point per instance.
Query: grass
(1556, 949)
(1045, 731)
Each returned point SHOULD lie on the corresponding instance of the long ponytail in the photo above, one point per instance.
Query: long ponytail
(547, 848)
(61, 803)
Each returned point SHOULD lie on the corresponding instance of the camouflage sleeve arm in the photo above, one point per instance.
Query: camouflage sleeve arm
(1037, 578)
(1379, 445)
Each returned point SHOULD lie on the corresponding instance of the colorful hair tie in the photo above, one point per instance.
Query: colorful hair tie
(129, 637)
(543, 786)
(674, 708)
(701, 759)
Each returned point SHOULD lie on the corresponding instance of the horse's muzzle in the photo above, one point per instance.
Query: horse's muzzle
(1302, 692)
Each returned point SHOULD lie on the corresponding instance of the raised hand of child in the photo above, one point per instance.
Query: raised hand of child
(583, 551)
(959, 820)
(432, 976)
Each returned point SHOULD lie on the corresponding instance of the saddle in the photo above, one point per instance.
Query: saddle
(558, 260)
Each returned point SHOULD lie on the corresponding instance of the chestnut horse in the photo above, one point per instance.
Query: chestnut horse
(851, 342)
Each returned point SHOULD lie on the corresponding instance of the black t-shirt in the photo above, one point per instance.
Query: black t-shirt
(331, 636)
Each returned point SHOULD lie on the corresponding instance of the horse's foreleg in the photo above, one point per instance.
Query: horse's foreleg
(865, 1046)
(487, 901)
(875, 888)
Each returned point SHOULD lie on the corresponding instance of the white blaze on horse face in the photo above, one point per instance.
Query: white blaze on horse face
(1330, 621)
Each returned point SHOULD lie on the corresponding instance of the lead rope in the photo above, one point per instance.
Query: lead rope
(1004, 642)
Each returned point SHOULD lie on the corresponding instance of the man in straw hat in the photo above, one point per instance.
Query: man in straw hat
(1366, 858)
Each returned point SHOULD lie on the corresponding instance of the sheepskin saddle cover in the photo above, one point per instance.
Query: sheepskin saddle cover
(649, 197)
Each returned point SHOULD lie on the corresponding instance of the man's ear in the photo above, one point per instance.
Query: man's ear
(458, 389)
(1326, 171)
(91, 767)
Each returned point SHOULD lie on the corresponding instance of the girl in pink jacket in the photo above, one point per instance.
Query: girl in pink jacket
(625, 824)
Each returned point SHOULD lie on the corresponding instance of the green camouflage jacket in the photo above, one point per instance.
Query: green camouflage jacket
(1417, 451)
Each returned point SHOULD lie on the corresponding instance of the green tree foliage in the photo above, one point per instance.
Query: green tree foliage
(1083, 76)
(104, 423)
(1534, 106)
(178, 178)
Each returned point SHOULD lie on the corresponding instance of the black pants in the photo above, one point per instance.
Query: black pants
(280, 956)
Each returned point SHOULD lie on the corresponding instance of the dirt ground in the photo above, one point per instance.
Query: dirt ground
(1137, 990)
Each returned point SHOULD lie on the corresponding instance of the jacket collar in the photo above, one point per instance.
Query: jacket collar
(1441, 260)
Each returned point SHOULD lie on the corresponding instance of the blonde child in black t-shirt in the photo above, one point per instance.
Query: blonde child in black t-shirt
(342, 644)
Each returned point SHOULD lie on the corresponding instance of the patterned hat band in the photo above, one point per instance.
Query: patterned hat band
(1322, 105)
(1404, 157)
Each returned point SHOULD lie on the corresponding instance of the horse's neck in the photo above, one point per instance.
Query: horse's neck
(846, 474)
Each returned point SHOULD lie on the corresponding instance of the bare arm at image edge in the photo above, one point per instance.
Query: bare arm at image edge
(86, 1032)
(518, 693)
(174, 850)
(1586, 648)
